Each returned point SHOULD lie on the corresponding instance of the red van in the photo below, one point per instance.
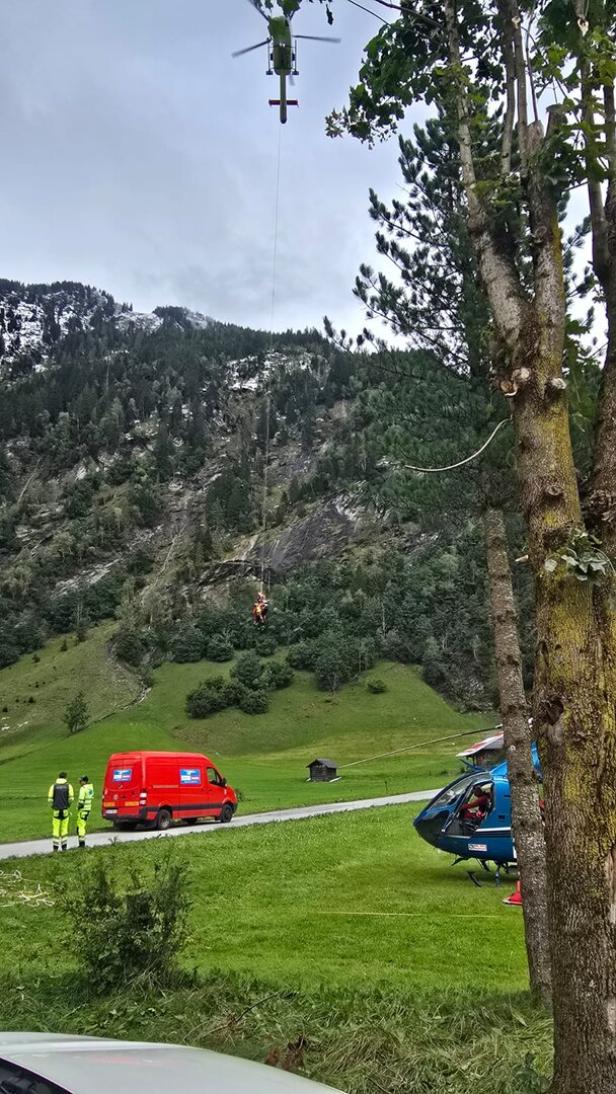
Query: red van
(154, 788)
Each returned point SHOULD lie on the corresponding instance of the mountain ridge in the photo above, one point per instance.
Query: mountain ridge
(149, 471)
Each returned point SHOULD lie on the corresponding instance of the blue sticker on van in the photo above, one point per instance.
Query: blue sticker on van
(190, 776)
(122, 774)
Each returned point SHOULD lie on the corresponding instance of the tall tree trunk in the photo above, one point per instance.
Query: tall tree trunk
(574, 699)
(575, 667)
(526, 815)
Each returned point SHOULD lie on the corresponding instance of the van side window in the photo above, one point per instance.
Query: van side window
(213, 777)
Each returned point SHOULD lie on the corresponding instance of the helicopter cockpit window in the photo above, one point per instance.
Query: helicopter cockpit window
(476, 806)
(452, 793)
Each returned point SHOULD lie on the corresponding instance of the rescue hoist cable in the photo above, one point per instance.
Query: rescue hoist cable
(422, 744)
(271, 347)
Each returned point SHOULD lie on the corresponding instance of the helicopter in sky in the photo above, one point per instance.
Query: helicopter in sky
(281, 46)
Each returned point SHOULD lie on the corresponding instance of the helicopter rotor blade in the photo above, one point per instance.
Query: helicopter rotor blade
(256, 5)
(241, 52)
(316, 38)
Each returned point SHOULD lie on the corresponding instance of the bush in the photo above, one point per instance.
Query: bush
(278, 675)
(303, 656)
(129, 647)
(77, 713)
(122, 935)
(208, 698)
(376, 686)
(188, 645)
(218, 648)
(332, 668)
(248, 669)
(9, 655)
(265, 645)
(254, 702)
(234, 693)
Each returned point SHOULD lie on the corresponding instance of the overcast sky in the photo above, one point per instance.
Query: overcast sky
(139, 157)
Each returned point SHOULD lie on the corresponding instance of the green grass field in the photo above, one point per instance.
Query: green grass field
(264, 756)
(346, 935)
(397, 966)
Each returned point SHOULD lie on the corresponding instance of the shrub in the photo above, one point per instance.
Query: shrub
(124, 934)
(234, 693)
(332, 668)
(208, 698)
(376, 686)
(129, 646)
(303, 656)
(77, 713)
(9, 655)
(248, 669)
(254, 702)
(278, 675)
(218, 648)
(188, 645)
(265, 645)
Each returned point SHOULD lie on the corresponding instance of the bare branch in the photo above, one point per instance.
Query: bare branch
(521, 81)
(509, 119)
(498, 273)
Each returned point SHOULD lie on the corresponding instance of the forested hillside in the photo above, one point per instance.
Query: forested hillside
(153, 468)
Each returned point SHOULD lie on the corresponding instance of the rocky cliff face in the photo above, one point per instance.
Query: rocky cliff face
(123, 433)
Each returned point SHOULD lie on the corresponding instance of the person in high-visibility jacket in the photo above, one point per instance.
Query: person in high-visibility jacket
(60, 798)
(84, 807)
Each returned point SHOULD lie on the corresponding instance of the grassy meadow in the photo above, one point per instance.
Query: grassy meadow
(263, 756)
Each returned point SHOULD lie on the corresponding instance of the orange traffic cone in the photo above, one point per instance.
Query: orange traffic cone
(516, 898)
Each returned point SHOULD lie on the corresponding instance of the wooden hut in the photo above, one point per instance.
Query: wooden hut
(322, 771)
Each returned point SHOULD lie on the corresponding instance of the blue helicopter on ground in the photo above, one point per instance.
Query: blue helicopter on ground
(471, 817)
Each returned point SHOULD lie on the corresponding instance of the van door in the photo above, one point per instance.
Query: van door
(122, 786)
(216, 790)
(193, 789)
(163, 784)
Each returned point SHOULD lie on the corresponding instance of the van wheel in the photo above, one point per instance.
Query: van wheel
(226, 813)
(163, 819)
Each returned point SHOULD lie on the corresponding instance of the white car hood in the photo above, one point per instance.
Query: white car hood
(84, 1065)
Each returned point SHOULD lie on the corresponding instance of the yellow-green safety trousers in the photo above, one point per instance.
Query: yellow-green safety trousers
(60, 817)
(84, 807)
(59, 829)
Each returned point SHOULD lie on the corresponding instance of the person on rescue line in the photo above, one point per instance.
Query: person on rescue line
(84, 807)
(259, 610)
(60, 798)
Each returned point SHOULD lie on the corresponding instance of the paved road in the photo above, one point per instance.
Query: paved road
(103, 839)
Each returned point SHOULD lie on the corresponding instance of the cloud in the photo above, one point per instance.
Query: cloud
(140, 157)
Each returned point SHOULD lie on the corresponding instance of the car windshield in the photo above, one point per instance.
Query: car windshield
(17, 1080)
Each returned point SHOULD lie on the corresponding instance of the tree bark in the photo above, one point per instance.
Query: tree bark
(526, 815)
(575, 668)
